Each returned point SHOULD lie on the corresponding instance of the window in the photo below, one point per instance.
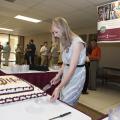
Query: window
(4, 38)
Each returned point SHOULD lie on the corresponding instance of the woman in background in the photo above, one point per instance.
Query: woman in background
(54, 54)
(1, 47)
(18, 51)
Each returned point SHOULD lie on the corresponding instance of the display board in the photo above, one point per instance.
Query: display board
(109, 22)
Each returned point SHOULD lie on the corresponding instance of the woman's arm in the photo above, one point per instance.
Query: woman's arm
(60, 71)
(56, 79)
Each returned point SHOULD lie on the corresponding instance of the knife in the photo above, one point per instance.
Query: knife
(62, 115)
(46, 87)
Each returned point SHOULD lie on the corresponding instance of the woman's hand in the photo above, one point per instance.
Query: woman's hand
(55, 80)
(55, 94)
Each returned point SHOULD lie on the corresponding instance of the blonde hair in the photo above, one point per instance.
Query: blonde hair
(62, 24)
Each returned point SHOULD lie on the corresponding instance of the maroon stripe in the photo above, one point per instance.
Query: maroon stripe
(109, 35)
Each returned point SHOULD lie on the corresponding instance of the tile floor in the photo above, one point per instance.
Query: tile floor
(103, 99)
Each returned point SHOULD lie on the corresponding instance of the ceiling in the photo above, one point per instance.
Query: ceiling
(79, 14)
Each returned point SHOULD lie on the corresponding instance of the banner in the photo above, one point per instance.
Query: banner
(109, 22)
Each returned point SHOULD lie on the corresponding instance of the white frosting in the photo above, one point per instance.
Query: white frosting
(13, 91)
(36, 90)
(13, 84)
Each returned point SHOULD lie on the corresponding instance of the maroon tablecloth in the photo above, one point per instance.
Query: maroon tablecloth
(103, 117)
(37, 79)
(2, 73)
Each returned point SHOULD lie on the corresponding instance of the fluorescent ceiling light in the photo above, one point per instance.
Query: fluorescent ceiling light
(27, 19)
(6, 29)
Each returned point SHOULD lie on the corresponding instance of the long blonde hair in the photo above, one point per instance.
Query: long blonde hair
(62, 24)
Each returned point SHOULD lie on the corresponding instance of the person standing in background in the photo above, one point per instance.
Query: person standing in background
(44, 54)
(6, 53)
(54, 54)
(27, 55)
(73, 67)
(49, 55)
(40, 55)
(18, 51)
(94, 64)
(32, 51)
(87, 66)
(1, 47)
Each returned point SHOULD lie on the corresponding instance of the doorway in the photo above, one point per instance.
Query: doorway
(4, 38)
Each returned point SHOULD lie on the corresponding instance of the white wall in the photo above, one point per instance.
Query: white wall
(110, 55)
(86, 31)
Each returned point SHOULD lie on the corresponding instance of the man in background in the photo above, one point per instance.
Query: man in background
(87, 66)
(44, 54)
(18, 51)
(6, 53)
(32, 51)
(94, 64)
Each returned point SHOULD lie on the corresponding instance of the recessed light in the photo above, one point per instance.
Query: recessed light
(27, 19)
(6, 29)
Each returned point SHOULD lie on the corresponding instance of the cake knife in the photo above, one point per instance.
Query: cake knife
(46, 87)
(62, 115)
(49, 85)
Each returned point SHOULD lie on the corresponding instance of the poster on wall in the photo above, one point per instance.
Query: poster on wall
(108, 22)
